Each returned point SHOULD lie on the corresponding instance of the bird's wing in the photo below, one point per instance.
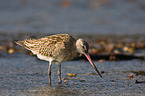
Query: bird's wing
(54, 45)
(51, 46)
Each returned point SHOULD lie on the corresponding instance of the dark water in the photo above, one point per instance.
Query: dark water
(22, 75)
(73, 16)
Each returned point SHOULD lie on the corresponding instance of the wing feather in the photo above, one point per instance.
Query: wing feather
(51, 46)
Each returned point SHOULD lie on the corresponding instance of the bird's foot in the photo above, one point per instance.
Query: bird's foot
(59, 82)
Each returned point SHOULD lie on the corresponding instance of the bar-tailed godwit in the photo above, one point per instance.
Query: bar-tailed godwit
(57, 48)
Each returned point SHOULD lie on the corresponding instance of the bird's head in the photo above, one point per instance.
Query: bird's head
(83, 47)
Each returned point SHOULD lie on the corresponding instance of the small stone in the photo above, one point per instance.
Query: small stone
(11, 51)
(64, 81)
(101, 60)
(71, 75)
(131, 76)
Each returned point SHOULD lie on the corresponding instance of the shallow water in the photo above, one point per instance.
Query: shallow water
(22, 75)
(80, 17)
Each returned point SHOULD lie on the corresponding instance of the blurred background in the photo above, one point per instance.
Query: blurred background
(108, 25)
(72, 16)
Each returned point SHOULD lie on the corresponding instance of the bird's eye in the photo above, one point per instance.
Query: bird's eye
(84, 47)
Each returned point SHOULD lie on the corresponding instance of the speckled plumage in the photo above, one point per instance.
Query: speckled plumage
(60, 47)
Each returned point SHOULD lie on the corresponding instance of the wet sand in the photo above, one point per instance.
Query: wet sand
(23, 75)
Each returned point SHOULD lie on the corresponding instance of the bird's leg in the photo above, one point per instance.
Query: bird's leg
(59, 72)
(49, 72)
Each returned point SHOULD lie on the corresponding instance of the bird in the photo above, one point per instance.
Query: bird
(57, 48)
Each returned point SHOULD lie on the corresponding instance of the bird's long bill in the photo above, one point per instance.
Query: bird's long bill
(90, 60)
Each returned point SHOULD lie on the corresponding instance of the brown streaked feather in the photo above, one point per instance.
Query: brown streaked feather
(28, 43)
(56, 46)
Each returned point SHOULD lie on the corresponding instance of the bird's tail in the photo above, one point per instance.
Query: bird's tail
(21, 43)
